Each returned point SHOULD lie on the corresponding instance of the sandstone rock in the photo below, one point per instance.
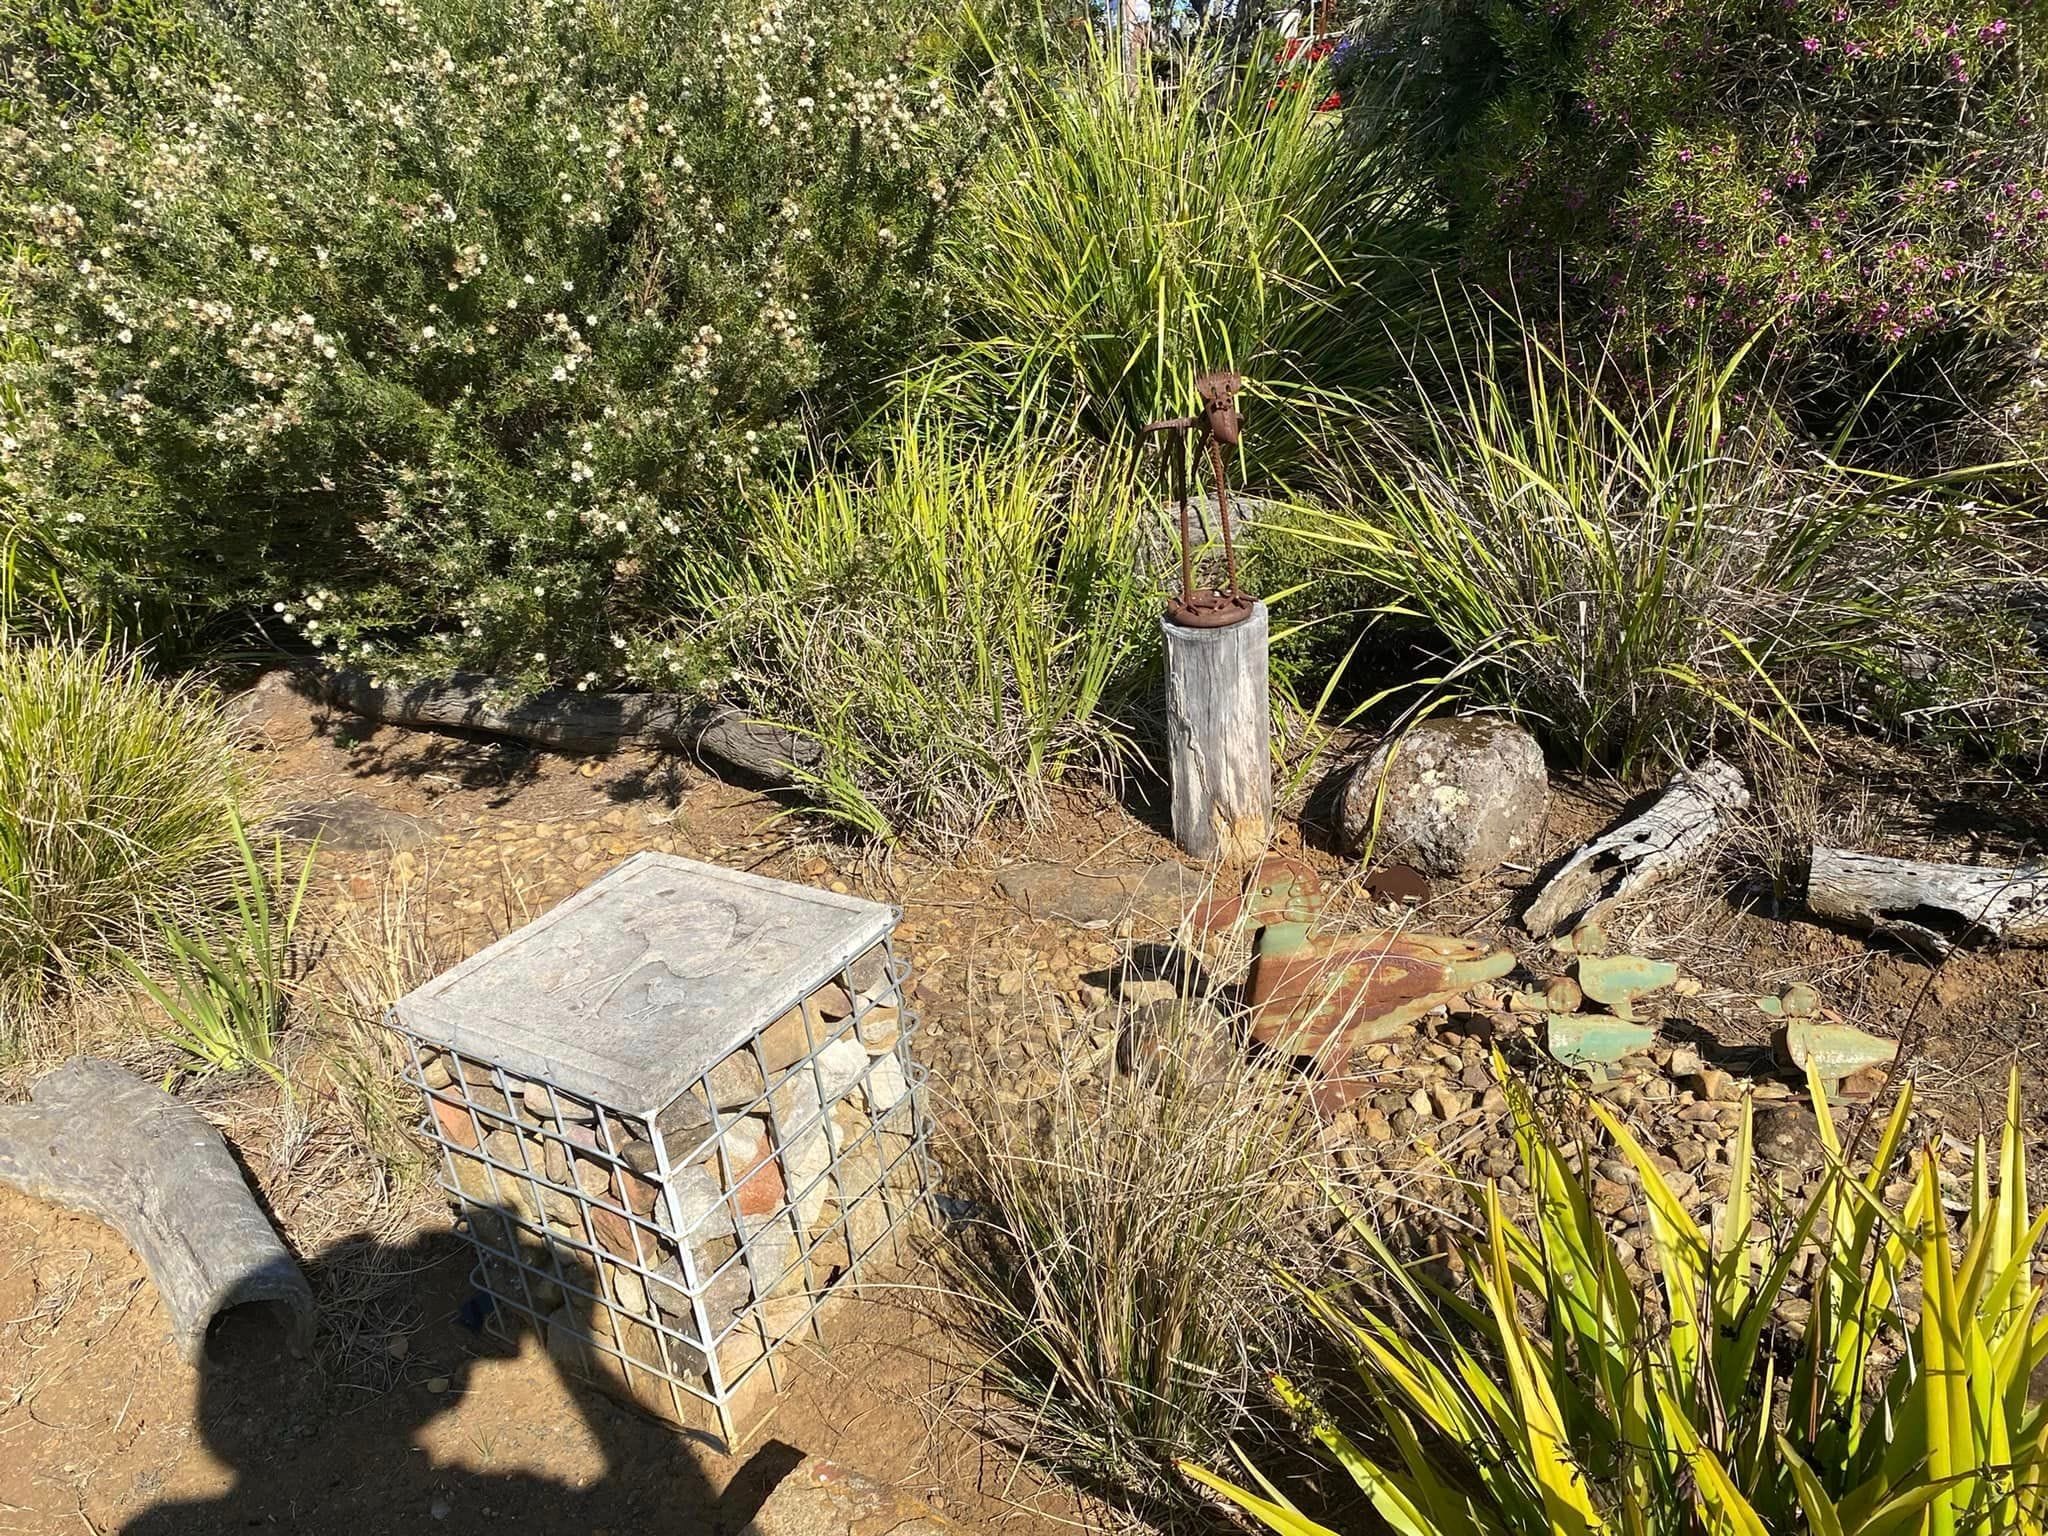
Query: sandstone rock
(1711, 1084)
(350, 821)
(1098, 899)
(888, 1094)
(1461, 796)
(821, 1498)
(1449, 1102)
(454, 1122)
(684, 1123)
(1609, 1197)
(735, 1082)
(1170, 1036)
(1787, 1138)
(879, 1029)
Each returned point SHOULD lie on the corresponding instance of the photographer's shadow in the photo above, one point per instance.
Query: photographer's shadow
(306, 1458)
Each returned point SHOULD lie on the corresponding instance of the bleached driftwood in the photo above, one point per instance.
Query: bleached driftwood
(1219, 738)
(580, 722)
(1930, 906)
(1637, 854)
(98, 1139)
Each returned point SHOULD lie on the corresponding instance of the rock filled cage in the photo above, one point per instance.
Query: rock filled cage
(676, 1113)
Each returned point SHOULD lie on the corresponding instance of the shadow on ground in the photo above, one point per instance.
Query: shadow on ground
(311, 1450)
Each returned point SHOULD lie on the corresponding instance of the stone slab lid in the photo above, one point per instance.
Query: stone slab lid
(638, 985)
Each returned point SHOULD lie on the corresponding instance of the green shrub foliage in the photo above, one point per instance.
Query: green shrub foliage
(1865, 179)
(442, 330)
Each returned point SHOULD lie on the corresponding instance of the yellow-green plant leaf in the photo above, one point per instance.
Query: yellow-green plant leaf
(1284, 1518)
(1557, 1475)
(1822, 1518)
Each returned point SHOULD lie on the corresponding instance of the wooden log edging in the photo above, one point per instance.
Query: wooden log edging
(1930, 906)
(98, 1139)
(569, 721)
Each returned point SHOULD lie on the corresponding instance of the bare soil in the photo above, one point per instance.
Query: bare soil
(409, 1419)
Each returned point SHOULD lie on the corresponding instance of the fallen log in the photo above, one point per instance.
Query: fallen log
(1637, 854)
(570, 721)
(98, 1139)
(1932, 907)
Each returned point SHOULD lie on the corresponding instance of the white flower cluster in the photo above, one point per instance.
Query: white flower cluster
(574, 348)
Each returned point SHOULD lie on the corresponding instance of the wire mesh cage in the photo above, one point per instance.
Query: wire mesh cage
(677, 1113)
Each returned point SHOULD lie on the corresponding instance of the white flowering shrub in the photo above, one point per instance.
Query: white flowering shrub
(444, 331)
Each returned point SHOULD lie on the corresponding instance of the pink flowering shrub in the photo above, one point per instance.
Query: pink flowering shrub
(441, 333)
(1864, 180)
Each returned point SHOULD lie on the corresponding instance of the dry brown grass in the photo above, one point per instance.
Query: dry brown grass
(1120, 1273)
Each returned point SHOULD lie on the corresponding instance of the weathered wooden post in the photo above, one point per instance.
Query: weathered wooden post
(1218, 711)
(1219, 731)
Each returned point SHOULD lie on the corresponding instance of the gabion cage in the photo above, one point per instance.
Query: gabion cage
(676, 1113)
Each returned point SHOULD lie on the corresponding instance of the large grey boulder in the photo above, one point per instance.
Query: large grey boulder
(1461, 797)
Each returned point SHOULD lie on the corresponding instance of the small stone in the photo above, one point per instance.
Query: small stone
(1610, 1198)
(437, 1384)
(786, 1042)
(880, 1028)
(831, 1002)
(1685, 1062)
(1372, 1125)
(628, 1290)
(1711, 1085)
(685, 1125)
(1418, 1101)
(454, 1122)
(435, 1072)
(1137, 991)
(398, 1346)
(1691, 1153)
(1787, 1138)
(1449, 1102)
(736, 1082)
(1494, 1101)
(489, 1101)
(1010, 983)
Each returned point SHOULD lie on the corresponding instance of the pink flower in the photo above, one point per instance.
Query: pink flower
(1811, 45)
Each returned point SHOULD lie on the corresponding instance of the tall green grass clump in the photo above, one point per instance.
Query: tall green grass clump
(116, 790)
(1636, 568)
(1123, 237)
(1556, 1401)
(950, 625)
